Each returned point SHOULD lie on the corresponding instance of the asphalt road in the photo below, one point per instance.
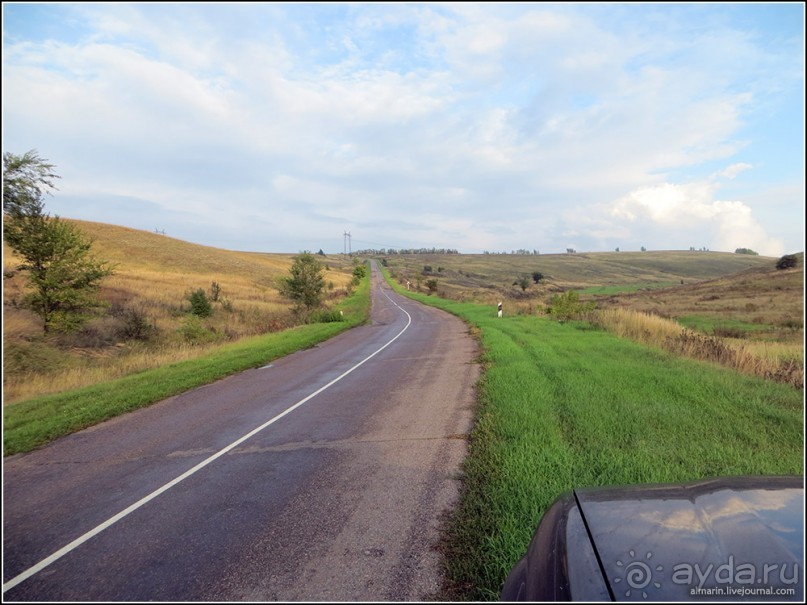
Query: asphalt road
(230, 492)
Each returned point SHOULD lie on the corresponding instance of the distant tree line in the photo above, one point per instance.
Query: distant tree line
(521, 251)
(394, 251)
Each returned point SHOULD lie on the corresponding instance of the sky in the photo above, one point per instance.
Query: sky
(280, 127)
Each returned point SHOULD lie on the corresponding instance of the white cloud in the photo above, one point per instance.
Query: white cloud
(692, 208)
(731, 172)
(379, 113)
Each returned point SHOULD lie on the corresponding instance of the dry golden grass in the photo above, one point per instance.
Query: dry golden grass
(93, 366)
(488, 277)
(154, 276)
(780, 362)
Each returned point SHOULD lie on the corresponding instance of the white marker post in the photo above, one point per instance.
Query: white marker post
(500, 309)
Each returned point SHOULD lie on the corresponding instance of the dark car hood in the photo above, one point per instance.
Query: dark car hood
(724, 539)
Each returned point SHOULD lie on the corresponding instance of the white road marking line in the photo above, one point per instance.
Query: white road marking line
(112, 520)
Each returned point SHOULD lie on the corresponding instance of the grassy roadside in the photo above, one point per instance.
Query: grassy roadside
(565, 405)
(35, 422)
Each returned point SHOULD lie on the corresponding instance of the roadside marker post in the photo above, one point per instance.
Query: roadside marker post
(500, 309)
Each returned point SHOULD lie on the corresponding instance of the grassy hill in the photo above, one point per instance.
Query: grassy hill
(761, 303)
(484, 277)
(147, 322)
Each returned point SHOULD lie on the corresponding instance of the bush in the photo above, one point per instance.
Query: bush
(200, 305)
(137, 325)
(788, 261)
(568, 306)
(194, 332)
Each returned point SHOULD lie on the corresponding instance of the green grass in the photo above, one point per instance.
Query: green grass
(711, 325)
(564, 406)
(35, 422)
(625, 288)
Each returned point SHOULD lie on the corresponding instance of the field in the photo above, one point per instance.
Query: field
(564, 405)
(490, 277)
(742, 309)
(147, 323)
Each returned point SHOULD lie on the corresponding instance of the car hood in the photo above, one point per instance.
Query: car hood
(723, 539)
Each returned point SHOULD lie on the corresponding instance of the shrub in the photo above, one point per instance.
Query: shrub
(788, 261)
(215, 291)
(200, 305)
(568, 306)
(194, 332)
(137, 325)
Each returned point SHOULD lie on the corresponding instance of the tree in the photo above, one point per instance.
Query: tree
(305, 283)
(524, 283)
(200, 305)
(746, 251)
(62, 273)
(431, 284)
(537, 276)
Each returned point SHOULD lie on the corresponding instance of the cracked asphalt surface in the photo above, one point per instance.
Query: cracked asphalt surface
(339, 500)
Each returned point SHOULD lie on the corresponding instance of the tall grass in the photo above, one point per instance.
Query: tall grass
(671, 336)
(564, 406)
(154, 276)
(33, 422)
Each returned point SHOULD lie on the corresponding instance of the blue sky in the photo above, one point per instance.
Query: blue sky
(479, 126)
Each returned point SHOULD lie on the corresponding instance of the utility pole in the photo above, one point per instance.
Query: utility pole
(347, 245)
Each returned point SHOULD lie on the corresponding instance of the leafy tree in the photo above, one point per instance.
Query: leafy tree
(788, 261)
(62, 273)
(746, 251)
(431, 284)
(524, 283)
(305, 283)
(537, 276)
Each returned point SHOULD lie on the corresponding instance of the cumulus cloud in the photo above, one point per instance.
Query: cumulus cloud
(692, 208)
